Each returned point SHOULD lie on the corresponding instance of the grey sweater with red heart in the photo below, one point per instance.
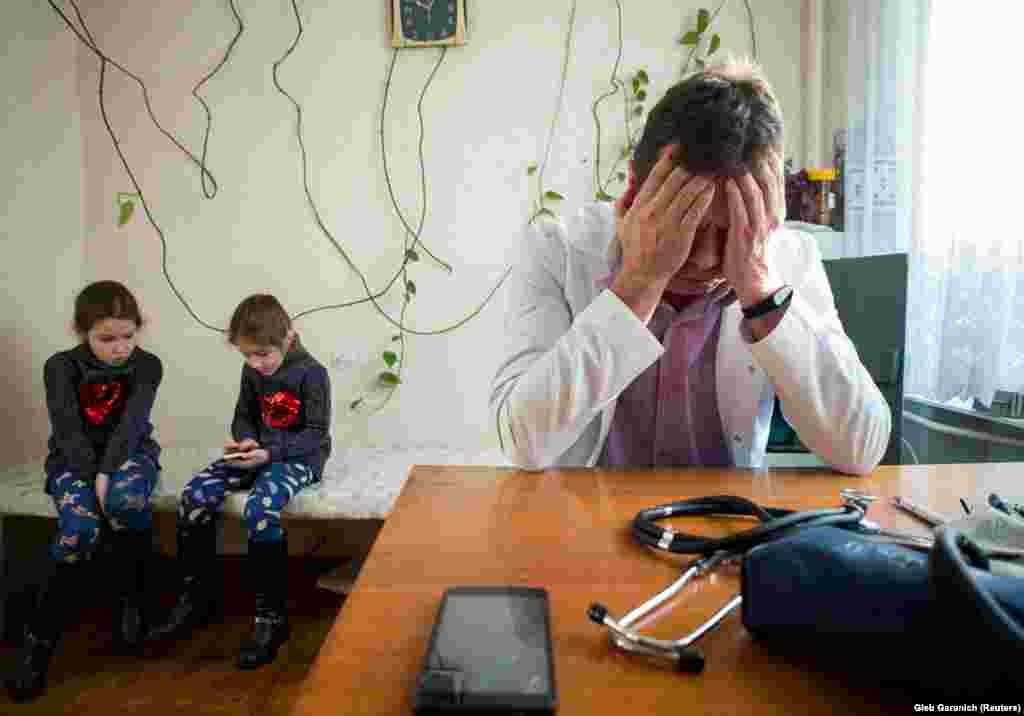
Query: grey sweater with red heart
(99, 414)
(289, 412)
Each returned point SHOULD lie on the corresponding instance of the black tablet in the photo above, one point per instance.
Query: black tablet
(490, 652)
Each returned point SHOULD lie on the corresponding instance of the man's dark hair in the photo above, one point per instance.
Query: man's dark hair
(725, 118)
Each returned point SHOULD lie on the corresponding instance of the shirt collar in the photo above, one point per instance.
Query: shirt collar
(716, 300)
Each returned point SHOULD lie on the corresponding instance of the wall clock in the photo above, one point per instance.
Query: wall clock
(428, 23)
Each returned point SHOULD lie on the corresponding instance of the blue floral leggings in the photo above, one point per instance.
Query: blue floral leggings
(270, 487)
(78, 509)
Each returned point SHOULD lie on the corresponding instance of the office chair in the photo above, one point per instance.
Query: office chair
(871, 297)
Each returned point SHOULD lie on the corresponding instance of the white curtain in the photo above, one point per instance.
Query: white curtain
(934, 137)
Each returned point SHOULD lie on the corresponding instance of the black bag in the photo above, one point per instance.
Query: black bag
(938, 623)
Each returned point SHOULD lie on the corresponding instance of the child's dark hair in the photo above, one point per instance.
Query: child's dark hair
(102, 300)
(261, 319)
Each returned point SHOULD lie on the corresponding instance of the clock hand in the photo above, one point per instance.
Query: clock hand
(427, 5)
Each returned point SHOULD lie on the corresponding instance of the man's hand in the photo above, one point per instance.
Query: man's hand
(656, 232)
(755, 207)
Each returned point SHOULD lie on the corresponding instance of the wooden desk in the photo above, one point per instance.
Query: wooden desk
(566, 531)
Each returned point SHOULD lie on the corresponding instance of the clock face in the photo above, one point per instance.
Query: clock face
(429, 20)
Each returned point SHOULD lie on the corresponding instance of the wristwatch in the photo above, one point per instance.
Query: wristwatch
(778, 299)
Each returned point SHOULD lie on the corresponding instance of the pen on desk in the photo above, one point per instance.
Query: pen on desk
(922, 513)
(997, 502)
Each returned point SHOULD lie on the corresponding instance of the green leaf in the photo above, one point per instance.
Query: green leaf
(602, 195)
(690, 38)
(410, 287)
(636, 85)
(621, 176)
(390, 358)
(411, 255)
(532, 169)
(703, 18)
(716, 42)
(641, 95)
(624, 154)
(388, 378)
(642, 76)
(355, 403)
(553, 195)
(638, 110)
(125, 215)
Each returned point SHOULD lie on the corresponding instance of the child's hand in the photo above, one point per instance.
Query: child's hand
(253, 458)
(244, 446)
(102, 485)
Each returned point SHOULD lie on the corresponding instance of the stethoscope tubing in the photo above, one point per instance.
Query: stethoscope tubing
(775, 523)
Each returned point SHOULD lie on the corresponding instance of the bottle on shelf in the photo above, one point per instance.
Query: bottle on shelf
(839, 162)
(824, 198)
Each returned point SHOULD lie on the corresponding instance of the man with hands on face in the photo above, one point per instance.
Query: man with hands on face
(658, 332)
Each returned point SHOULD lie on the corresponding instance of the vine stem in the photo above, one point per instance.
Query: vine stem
(558, 109)
(630, 139)
(613, 80)
(711, 22)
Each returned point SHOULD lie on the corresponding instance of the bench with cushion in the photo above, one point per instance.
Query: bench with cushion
(337, 518)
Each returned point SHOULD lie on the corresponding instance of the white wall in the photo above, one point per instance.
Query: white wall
(823, 65)
(834, 102)
(41, 251)
(487, 115)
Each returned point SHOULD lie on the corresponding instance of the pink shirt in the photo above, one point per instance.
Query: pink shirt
(669, 415)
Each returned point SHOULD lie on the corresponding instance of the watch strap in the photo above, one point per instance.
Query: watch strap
(777, 299)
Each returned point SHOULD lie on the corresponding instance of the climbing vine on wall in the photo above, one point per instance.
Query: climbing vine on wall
(634, 89)
(393, 360)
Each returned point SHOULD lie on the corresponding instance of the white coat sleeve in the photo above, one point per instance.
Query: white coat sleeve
(559, 371)
(826, 393)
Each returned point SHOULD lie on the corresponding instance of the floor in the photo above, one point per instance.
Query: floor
(195, 677)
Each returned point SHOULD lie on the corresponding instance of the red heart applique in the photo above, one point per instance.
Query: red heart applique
(98, 400)
(280, 409)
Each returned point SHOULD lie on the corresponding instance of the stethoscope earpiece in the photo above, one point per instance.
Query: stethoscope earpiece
(597, 613)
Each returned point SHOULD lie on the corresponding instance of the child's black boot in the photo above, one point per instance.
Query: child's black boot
(133, 550)
(267, 570)
(199, 601)
(43, 631)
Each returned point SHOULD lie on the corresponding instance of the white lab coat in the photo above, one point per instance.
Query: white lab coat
(572, 348)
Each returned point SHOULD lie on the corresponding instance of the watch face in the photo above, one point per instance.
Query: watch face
(429, 20)
(782, 294)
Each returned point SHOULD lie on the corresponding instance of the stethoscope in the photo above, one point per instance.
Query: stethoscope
(775, 523)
